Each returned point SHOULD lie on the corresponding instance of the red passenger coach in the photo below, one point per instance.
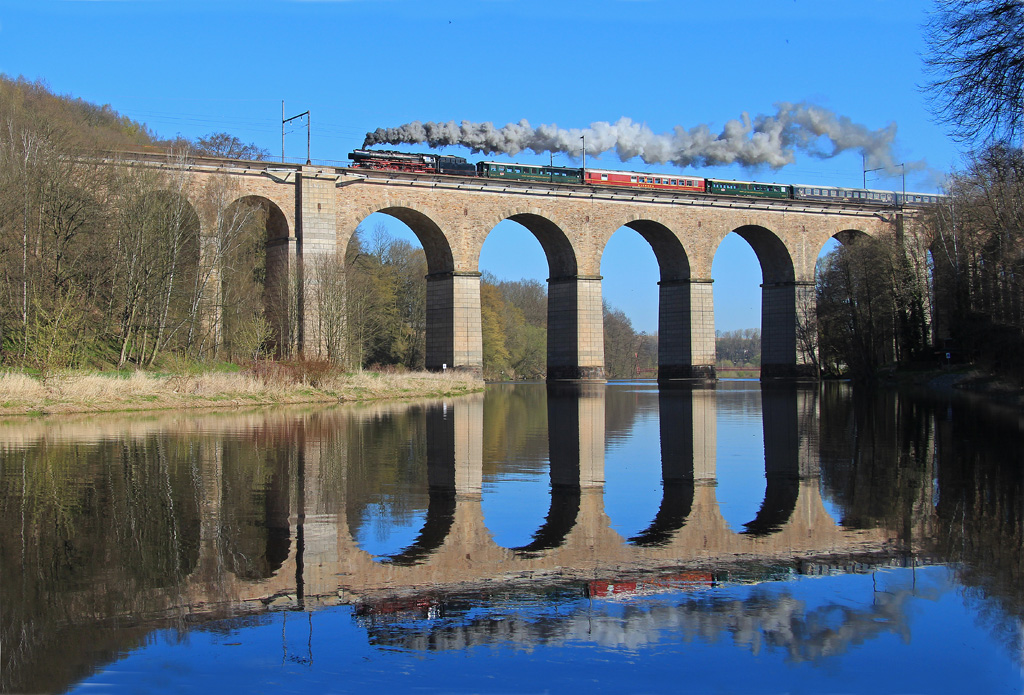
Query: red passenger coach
(636, 179)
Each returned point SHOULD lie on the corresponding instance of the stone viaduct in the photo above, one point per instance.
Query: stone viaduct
(313, 211)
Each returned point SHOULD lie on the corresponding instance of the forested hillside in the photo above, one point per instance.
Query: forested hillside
(100, 264)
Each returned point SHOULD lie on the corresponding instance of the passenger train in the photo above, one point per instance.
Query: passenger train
(389, 160)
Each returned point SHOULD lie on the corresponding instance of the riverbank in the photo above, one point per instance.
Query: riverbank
(74, 392)
(966, 382)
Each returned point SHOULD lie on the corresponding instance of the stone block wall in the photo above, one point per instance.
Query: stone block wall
(317, 243)
(686, 330)
(575, 329)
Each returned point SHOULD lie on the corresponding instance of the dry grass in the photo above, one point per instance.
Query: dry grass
(78, 392)
(21, 387)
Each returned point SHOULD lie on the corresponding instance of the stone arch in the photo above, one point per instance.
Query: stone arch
(440, 431)
(423, 223)
(436, 245)
(771, 251)
(256, 551)
(780, 500)
(673, 262)
(558, 247)
(453, 339)
(902, 328)
(575, 338)
(787, 306)
(850, 236)
(254, 227)
(685, 315)
(576, 419)
(174, 206)
(676, 507)
(273, 219)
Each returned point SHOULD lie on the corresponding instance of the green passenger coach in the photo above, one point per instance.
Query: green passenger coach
(527, 172)
(748, 188)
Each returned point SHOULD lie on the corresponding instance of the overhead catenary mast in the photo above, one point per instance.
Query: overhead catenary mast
(288, 120)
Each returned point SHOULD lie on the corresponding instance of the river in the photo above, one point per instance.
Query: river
(614, 538)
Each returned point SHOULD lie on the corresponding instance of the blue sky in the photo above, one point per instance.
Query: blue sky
(193, 68)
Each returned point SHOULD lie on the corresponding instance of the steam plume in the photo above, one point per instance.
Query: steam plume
(751, 142)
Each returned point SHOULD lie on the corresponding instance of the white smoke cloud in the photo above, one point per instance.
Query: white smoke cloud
(765, 140)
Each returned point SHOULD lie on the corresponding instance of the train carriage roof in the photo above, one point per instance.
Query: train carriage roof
(841, 188)
(532, 166)
(751, 183)
(645, 173)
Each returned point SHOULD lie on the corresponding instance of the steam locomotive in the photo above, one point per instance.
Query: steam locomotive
(448, 165)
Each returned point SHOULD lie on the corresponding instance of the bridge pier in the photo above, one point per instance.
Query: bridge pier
(316, 227)
(686, 330)
(787, 325)
(454, 331)
(575, 329)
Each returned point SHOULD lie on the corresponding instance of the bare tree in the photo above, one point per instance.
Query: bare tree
(979, 258)
(386, 300)
(230, 277)
(976, 59)
(227, 145)
(328, 289)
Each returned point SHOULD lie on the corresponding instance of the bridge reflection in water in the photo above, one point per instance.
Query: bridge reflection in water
(455, 544)
(178, 519)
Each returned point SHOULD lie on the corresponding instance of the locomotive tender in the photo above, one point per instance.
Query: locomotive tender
(449, 165)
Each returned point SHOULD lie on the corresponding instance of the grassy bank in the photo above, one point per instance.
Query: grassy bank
(75, 392)
(964, 380)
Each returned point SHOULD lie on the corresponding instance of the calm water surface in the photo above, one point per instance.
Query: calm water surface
(530, 539)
